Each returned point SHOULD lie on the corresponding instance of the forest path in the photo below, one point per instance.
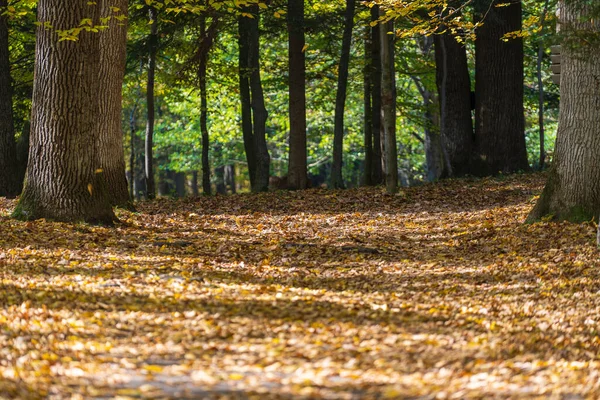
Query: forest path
(440, 291)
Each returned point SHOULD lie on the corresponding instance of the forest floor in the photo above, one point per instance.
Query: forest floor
(439, 292)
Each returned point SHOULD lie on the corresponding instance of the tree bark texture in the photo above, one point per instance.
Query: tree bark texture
(64, 179)
(297, 169)
(499, 113)
(377, 164)
(388, 106)
(572, 191)
(368, 109)
(259, 111)
(10, 182)
(113, 55)
(454, 88)
(152, 51)
(337, 181)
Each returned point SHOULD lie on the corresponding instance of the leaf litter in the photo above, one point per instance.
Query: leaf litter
(439, 292)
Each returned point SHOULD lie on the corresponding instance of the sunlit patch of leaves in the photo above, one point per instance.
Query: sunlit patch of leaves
(336, 294)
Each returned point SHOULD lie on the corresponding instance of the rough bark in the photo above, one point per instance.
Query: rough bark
(377, 165)
(454, 88)
(499, 113)
(388, 106)
(152, 51)
(540, 81)
(297, 169)
(64, 180)
(259, 111)
(340, 100)
(10, 183)
(113, 54)
(572, 191)
(368, 110)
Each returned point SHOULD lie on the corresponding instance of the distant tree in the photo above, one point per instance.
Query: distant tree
(572, 191)
(65, 180)
(340, 101)
(10, 182)
(499, 112)
(388, 105)
(377, 177)
(150, 103)
(254, 112)
(297, 169)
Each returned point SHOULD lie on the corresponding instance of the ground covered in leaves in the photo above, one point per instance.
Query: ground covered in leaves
(439, 292)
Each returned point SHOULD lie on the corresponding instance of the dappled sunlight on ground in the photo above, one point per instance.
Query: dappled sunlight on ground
(440, 290)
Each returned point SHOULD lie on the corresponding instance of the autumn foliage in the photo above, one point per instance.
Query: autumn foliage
(440, 291)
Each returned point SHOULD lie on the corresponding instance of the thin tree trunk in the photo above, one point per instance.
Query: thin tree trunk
(337, 181)
(195, 191)
(541, 87)
(10, 184)
(377, 166)
(454, 88)
(388, 102)
(499, 112)
(246, 101)
(132, 129)
(152, 51)
(572, 191)
(205, 45)
(259, 111)
(64, 179)
(297, 169)
(368, 109)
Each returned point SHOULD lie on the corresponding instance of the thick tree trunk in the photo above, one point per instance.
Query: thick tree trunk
(113, 54)
(297, 169)
(152, 51)
(10, 183)
(259, 111)
(368, 110)
(388, 106)
(64, 179)
(499, 113)
(340, 100)
(454, 88)
(573, 188)
(377, 165)
(542, 133)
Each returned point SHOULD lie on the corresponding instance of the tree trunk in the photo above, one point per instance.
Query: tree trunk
(388, 106)
(368, 110)
(206, 42)
(180, 180)
(377, 165)
(454, 88)
(246, 101)
(297, 169)
(152, 50)
(113, 54)
(230, 178)
(337, 181)
(499, 113)
(573, 188)
(259, 111)
(540, 81)
(64, 179)
(195, 191)
(10, 184)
